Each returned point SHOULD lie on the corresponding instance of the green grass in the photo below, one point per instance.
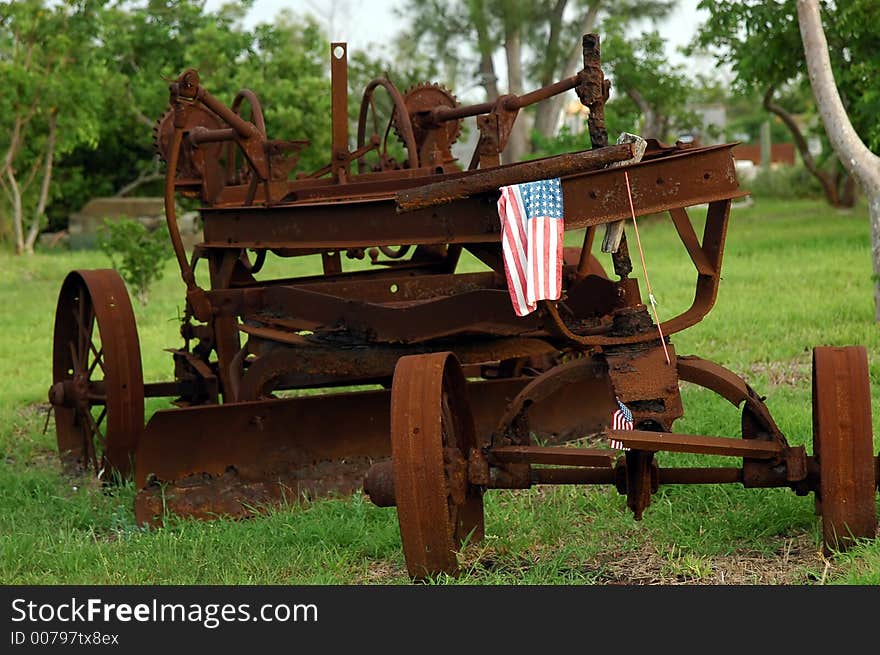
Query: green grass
(796, 275)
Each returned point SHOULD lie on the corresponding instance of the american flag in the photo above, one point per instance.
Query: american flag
(621, 419)
(531, 238)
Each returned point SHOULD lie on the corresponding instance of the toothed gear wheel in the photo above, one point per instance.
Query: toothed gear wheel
(188, 165)
(163, 129)
(425, 96)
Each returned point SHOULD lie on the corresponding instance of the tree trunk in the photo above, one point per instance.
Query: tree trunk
(829, 187)
(547, 112)
(16, 211)
(517, 143)
(853, 154)
(652, 128)
(488, 78)
(34, 230)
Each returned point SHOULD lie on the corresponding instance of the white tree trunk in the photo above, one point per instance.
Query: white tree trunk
(517, 143)
(46, 183)
(862, 164)
(15, 193)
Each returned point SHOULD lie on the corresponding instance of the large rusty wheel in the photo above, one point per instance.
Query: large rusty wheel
(843, 445)
(98, 388)
(432, 431)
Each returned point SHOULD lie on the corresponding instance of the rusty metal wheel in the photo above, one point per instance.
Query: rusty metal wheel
(432, 432)
(97, 383)
(843, 445)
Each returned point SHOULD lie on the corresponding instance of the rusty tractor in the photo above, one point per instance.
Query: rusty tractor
(403, 375)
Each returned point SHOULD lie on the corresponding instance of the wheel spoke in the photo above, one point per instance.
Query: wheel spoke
(77, 367)
(94, 431)
(99, 361)
(86, 331)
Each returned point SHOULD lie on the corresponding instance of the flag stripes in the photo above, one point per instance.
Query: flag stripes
(532, 231)
(621, 419)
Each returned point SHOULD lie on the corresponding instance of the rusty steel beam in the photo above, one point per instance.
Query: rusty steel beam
(689, 177)
(551, 455)
(576, 475)
(491, 179)
(686, 443)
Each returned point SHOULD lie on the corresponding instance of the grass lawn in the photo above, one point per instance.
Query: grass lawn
(796, 275)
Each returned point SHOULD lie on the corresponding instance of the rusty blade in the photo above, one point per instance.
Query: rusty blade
(234, 459)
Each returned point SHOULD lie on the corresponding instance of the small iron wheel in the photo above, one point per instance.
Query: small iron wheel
(843, 445)
(97, 383)
(432, 432)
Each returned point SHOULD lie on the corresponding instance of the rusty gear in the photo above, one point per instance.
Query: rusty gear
(421, 98)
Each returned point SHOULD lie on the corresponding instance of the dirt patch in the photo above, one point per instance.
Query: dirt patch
(648, 565)
(791, 373)
(796, 562)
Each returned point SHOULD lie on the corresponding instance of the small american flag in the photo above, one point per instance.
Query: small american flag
(531, 238)
(621, 419)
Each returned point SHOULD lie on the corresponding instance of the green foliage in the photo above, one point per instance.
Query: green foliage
(762, 44)
(784, 183)
(644, 83)
(137, 253)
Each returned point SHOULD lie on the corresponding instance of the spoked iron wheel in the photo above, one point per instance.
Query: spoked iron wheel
(843, 445)
(432, 432)
(98, 388)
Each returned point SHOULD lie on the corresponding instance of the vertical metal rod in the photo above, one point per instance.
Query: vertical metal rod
(339, 109)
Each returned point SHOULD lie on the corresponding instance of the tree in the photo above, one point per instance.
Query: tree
(641, 74)
(147, 44)
(863, 164)
(51, 71)
(540, 42)
(761, 42)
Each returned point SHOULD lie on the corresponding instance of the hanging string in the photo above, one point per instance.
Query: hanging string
(651, 298)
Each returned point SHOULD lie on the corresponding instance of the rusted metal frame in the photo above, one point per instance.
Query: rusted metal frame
(686, 443)
(594, 90)
(202, 371)
(704, 296)
(376, 288)
(576, 475)
(475, 219)
(512, 427)
(438, 193)
(484, 310)
(730, 386)
(644, 381)
(688, 237)
(583, 267)
(550, 455)
(678, 475)
(312, 363)
(511, 102)
(339, 110)
(405, 287)
(686, 178)
(310, 188)
(226, 336)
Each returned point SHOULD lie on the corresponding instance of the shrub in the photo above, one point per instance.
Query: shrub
(784, 183)
(137, 253)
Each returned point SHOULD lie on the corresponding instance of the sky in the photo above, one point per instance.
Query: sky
(363, 23)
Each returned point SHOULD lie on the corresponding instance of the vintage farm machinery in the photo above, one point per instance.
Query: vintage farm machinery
(405, 376)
